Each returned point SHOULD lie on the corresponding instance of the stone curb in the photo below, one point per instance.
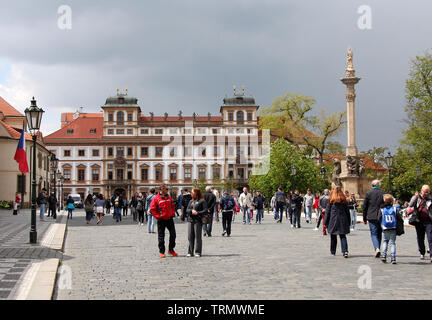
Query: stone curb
(44, 280)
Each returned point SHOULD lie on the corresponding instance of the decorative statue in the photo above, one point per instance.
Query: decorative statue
(362, 168)
(151, 116)
(166, 116)
(194, 116)
(352, 165)
(180, 115)
(350, 64)
(336, 172)
(209, 116)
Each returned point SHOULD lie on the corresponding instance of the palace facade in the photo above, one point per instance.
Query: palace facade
(123, 149)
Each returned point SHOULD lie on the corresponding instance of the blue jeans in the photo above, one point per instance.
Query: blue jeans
(151, 222)
(353, 213)
(280, 210)
(42, 210)
(259, 215)
(117, 213)
(246, 211)
(376, 233)
(296, 217)
(275, 213)
(308, 213)
(389, 236)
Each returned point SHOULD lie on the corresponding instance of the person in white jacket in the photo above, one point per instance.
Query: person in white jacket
(245, 201)
(308, 202)
(216, 207)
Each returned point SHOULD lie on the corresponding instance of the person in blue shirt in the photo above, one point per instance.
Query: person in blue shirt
(388, 217)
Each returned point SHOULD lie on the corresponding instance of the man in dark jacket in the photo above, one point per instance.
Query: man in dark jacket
(210, 198)
(373, 203)
(42, 201)
(280, 202)
(52, 202)
(185, 201)
(297, 200)
(258, 203)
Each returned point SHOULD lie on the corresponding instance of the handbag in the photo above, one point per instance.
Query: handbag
(99, 209)
(236, 208)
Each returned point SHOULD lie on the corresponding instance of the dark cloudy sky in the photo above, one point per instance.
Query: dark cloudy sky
(186, 55)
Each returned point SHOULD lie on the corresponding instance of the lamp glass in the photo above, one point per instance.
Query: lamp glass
(389, 160)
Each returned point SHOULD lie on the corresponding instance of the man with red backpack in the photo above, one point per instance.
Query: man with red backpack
(163, 209)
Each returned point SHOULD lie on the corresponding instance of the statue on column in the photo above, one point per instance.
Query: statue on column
(352, 165)
(362, 168)
(336, 173)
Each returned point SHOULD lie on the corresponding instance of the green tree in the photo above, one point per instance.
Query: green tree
(290, 117)
(283, 156)
(415, 150)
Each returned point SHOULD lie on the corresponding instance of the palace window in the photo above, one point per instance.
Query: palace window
(95, 153)
(144, 174)
(201, 173)
(215, 151)
(130, 131)
(188, 174)
(110, 131)
(249, 116)
(81, 153)
(187, 151)
(158, 131)
(158, 173)
(120, 151)
(95, 174)
(129, 152)
(129, 175)
(173, 174)
(120, 174)
(216, 173)
(230, 116)
(201, 130)
(110, 152)
(130, 117)
(240, 117)
(158, 151)
(144, 131)
(173, 130)
(66, 174)
(110, 117)
(110, 175)
(81, 174)
(120, 131)
(144, 151)
(66, 153)
(120, 117)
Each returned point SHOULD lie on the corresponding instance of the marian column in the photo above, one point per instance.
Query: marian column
(350, 81)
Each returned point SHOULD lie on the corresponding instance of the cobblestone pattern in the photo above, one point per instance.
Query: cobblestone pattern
(267, 261)
(16, 253)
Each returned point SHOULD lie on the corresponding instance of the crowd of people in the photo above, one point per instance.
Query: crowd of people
(335, 210)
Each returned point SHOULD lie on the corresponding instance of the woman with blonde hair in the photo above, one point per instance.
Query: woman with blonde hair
(337, 220)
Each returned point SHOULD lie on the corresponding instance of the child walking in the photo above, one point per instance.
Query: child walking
(388, 224)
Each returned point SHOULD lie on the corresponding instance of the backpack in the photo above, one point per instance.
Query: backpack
(228, 204)
(116, 201)
(140, 205)
(388, 220)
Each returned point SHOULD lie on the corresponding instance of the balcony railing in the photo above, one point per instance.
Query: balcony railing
(118, 182)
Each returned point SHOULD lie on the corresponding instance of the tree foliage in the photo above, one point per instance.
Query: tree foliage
(283, 156)
(290, 117)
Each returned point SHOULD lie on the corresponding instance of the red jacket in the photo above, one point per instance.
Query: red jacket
(315, 206)
(162, 207)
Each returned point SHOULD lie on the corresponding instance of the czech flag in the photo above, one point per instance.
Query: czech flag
(20, 154)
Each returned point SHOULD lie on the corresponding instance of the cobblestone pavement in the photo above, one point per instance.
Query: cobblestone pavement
(267, 261)
(16, 253)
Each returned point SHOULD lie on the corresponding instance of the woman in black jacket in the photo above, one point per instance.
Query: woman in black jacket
(194, 212)
(337, 220)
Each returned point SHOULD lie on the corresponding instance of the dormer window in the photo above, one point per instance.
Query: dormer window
(92, 131)
(70, 131)
(121, 100)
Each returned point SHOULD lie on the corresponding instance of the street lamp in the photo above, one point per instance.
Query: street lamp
(54, 165)
(34, 117)
(293, 173)
(60, 179)
(389, 162)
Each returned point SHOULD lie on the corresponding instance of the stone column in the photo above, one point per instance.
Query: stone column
(350, 81)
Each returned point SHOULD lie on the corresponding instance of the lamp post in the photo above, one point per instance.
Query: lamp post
(54, 165)
(34, 117)
(293, 173)
(389, 162)
(58, 173)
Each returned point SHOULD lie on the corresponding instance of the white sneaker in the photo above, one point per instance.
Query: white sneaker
(316, 229)
(189, 255)
(351, 229)
(197, 255)
(292, 226)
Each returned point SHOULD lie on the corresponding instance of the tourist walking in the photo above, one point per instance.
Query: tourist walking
(17, 203)
(389, 218)
(125, 206)
(258, 203)
(151, 220)
(89, 208)
(185, 202)
(100, 208)
(227, 204)
(273, 206)
(162, 208)
(196, 208)
(297, 200)
(118, 203)
(179, 204)
(245, 201)
(108, 206)
(280, 203)
(352, 206)
(372, 204)
(52, 206)
(216, 206)
(316, 206)
(140, 208)
(337, 220)
(70, 207)
(133, 205)
(42, 201)
(236, 205)
(308, 202)
(422, 204)
(210, 200)
(322, 204)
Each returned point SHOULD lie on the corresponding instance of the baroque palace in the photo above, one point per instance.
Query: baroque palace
(124, 150)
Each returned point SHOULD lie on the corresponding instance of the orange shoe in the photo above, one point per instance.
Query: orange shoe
(173, 253)
(162, 255)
